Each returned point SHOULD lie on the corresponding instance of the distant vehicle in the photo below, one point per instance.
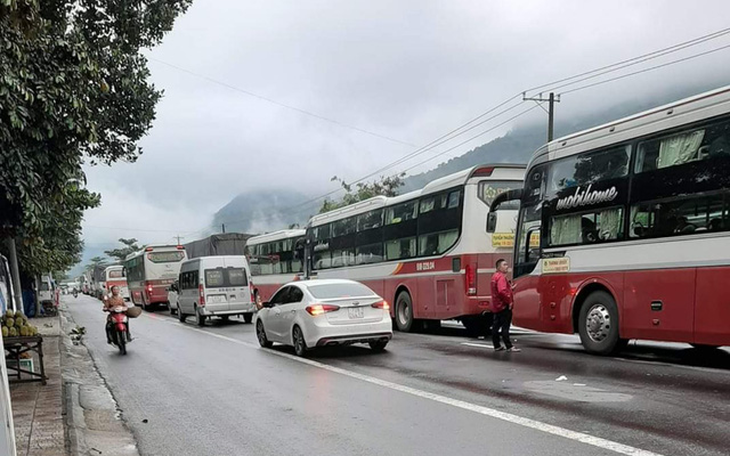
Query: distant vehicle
(216, 286)
(317, 313)
(6, 286)
(172, 296)
(629, 230)
(427, 251)
(46, 290)
(115, 277)
(276, 258)
(150, 272)
(97, 286)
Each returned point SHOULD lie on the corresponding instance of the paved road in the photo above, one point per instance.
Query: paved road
(212, 391)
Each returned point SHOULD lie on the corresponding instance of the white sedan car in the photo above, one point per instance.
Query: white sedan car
(317, 313)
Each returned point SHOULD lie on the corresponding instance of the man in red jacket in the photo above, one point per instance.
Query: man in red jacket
(502, 307)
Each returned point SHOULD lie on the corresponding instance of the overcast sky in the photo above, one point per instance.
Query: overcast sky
(409, 70)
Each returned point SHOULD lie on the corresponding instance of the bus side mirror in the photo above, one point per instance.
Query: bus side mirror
(491, 222)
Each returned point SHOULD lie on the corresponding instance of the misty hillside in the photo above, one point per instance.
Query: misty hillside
(261, 211)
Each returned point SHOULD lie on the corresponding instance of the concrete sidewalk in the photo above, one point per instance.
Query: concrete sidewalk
(38, 410)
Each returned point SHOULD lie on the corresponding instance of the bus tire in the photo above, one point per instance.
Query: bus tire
(477, 325)
(404, 320)
(705, 347)
(248, 317)
(598, 324)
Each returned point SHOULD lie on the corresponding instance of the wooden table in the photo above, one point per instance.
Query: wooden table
(16, 346)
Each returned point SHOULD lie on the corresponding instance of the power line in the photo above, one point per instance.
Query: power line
(684, 59)
(583, 77)
(284, 105)
(638, 59)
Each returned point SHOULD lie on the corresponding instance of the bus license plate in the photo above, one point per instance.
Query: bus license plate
(355, 312)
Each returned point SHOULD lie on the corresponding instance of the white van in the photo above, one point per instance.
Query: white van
(215, 286)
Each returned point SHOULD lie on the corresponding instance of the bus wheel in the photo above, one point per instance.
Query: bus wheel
(598, 324)
(477, 325)
(404, 320)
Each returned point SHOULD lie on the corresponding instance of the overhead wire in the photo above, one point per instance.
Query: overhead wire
(284, 105)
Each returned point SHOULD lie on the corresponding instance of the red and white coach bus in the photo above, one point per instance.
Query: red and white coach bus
(275, 259)
(114, 276)
(633, 220)
(427, 252)
(150, 272)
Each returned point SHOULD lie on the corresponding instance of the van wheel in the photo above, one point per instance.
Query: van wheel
(248, 317)
(199, 319)
(404, 320)
(180, 315)
(378, 345)
(598, 324)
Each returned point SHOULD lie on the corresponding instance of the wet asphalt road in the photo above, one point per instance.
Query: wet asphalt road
(212, 391)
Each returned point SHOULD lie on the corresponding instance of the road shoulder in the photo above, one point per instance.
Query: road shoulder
(94, 420)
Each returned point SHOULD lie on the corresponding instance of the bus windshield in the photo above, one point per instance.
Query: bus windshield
(488, 190)
(166, 257)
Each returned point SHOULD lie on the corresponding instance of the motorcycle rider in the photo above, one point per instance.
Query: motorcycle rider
(111, 303)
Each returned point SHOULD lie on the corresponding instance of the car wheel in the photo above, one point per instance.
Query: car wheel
(175, 310)
(598, 324)
(199, 319)
(180, 315)
(404, 320)
(378, 345)
(248, 317)
(261, 335)
(225, 317)
(300, 346)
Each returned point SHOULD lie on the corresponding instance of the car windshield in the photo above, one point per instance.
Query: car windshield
(339, 290)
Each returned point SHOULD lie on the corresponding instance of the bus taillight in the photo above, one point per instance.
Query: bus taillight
(201, 293)
(149, 289)
(471, 280)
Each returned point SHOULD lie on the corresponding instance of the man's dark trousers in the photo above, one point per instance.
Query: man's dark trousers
(502, 322)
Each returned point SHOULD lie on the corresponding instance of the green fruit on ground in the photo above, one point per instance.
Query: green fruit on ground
(24, 331)
(6, 331)
(10, 322)
(13, 332)
(10, 314)
(19, 323)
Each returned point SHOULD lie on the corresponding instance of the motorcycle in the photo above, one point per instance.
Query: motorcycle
(76, 293)
(118, 330)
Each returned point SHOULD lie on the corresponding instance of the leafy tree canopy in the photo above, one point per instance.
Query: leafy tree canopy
(130, 246)
(386, 186)
(73, 88)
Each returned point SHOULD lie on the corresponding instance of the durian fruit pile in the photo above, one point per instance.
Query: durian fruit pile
(16, 324)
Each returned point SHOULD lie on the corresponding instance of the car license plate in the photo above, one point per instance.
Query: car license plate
(355, 312)
(217, 299)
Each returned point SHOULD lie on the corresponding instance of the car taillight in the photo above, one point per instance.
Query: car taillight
(382, 305)
(201, 293)
(319, 309)
(471, 280)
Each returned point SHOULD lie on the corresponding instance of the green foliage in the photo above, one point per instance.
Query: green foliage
(386, 186)
(94, 262)
(73, 88)
(130, 246)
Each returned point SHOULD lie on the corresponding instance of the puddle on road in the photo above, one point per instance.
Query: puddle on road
(565, 390)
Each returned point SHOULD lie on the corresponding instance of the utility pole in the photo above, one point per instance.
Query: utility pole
(223, 228)
(178, 237)
(551, 100)
(15, 273)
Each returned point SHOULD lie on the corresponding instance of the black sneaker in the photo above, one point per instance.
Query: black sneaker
(499, 349)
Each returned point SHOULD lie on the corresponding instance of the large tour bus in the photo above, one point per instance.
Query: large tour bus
(629, 229)
(427, 252)
(275, 259)
(150, 272)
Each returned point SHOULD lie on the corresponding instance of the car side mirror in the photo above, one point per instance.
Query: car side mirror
(491, 222)
(267, 305)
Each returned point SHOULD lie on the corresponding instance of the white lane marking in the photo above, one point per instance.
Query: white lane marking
(469, 344)
(482, 410)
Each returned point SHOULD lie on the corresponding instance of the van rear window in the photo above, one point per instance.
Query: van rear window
(228, 277)
(115, 274)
